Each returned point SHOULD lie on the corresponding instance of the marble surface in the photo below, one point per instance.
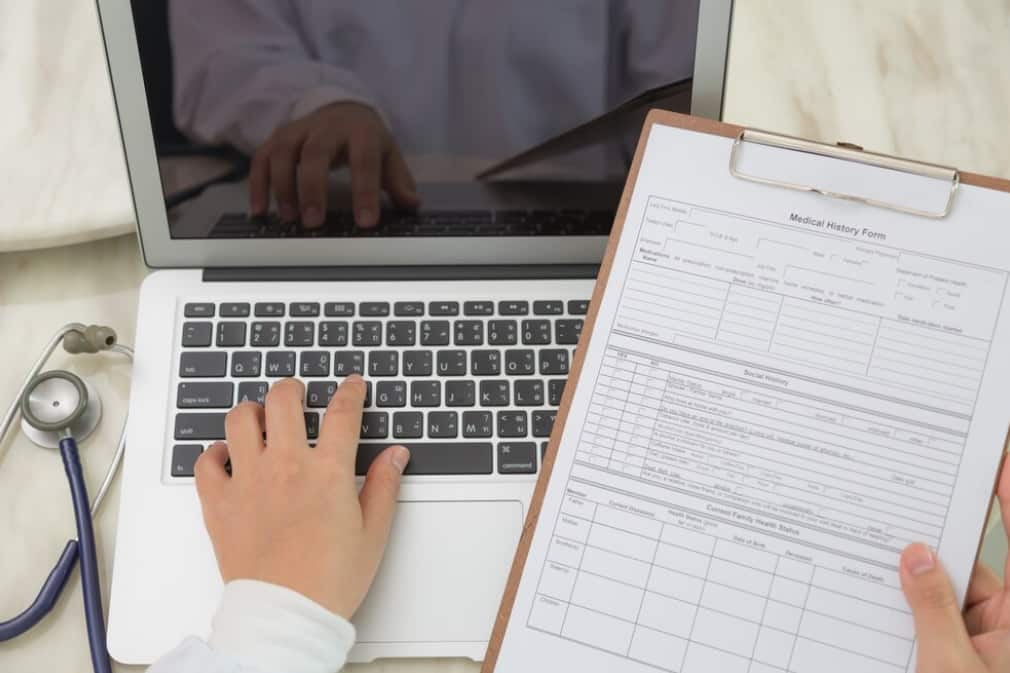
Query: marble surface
(923, 79)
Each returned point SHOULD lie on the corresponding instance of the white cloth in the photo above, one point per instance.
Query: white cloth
(264, 628)
(479, 78)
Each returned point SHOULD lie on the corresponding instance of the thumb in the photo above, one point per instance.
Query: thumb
(943, 640)
(378, 495)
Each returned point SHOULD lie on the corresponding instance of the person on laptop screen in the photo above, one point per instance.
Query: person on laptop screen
(305, 86)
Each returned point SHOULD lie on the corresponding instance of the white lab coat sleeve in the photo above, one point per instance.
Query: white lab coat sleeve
(264, 628)
(243, 67)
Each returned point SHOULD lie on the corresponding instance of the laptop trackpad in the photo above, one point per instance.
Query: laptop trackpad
(443, 573)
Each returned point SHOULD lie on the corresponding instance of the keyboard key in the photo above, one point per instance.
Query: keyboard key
(255, 391)
(417, 363)
(333, 333)
(529, 392)
(374, 309)
(391, 394)
(513, 307)
(517, 458)
(426, 393)
(265, 334)
(435, 332)
(374, 425)
(478, 308)
(443, 424)
(203, 364)
(512, 424)
(460, 393)
(208, 426)
(434, 457)
(312, 424)
(548, 307)
(299, 333)
(443, 308)
(273, 309)
(566, 332)
(519, 362)
(367, 333)
(401, 333)
(543, 422)
(578, 306)
(280, 363)
(477, 424)
(315, 363)
(346, 363)
(555, 387)
(205, 395)
(554, 362)
(184, 458)
(197, 334)
(235, 310)
(408, 425)
(319, 393)
(468, 333)
(368, 394)
(338, 309)
(309, 309)
(485, 363)
(408, 308)
(451, 363)
(494, 393)
(383, 363)
(245, 364)
(230, 334)
(502, 332)
(536, 332)
(543, 451)
(199, 310)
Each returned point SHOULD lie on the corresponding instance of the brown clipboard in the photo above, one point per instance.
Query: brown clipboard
(700, 125)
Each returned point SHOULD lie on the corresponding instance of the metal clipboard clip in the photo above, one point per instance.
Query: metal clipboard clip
(846, 152)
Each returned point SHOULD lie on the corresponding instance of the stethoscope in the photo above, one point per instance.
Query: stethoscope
(58, 408)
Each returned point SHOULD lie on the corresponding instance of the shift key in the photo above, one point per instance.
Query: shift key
(205, 395)
(199, 426)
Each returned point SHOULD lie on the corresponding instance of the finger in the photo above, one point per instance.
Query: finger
(993, 648)
(341, 426)
(1003, 494)
(378, 495)
(939, 627)
(243, 430)
(983, 584)
(210, 472)
(397, 180)
(282, 179)
(313, 173)
(285, 420)
(363, 158)
(259, 181)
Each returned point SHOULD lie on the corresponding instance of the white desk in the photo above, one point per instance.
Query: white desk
(897, 79)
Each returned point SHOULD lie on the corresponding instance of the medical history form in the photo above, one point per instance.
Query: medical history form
(780, 391)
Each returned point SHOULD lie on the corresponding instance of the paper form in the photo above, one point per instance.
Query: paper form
(782, 391)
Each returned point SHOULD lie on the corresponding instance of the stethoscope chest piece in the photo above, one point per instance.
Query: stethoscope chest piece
(56, 404)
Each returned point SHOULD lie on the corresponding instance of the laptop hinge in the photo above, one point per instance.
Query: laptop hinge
(454, 272)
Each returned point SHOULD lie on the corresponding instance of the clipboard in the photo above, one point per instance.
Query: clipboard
(951, 177)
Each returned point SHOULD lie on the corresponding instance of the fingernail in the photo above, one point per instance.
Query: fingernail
(354, 378)
(288, 213)
(366, 218)
(919, 559)
(400, 458)
(311, 217)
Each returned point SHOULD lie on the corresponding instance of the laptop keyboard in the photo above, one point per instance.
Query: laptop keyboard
(471, 387)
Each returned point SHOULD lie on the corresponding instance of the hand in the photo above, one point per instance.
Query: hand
(295, 162)
(290, 514)
(977, 641)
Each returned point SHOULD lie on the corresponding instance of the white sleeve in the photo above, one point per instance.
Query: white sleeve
(264, 628)
(242, 68)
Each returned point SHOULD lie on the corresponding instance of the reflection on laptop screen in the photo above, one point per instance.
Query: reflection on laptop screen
(323, 118)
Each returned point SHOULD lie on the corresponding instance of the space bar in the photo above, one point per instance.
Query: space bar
(433, 457)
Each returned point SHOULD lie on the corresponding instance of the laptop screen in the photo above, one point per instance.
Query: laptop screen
(344, 119)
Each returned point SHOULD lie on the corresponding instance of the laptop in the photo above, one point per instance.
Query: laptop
(463, 315)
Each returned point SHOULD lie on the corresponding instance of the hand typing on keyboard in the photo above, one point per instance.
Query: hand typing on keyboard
(290, 514)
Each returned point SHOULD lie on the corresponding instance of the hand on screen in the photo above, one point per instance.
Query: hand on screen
(977, 641)
(290, 514)
(294, 163)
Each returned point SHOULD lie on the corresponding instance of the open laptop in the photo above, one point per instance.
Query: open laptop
(463, 316)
